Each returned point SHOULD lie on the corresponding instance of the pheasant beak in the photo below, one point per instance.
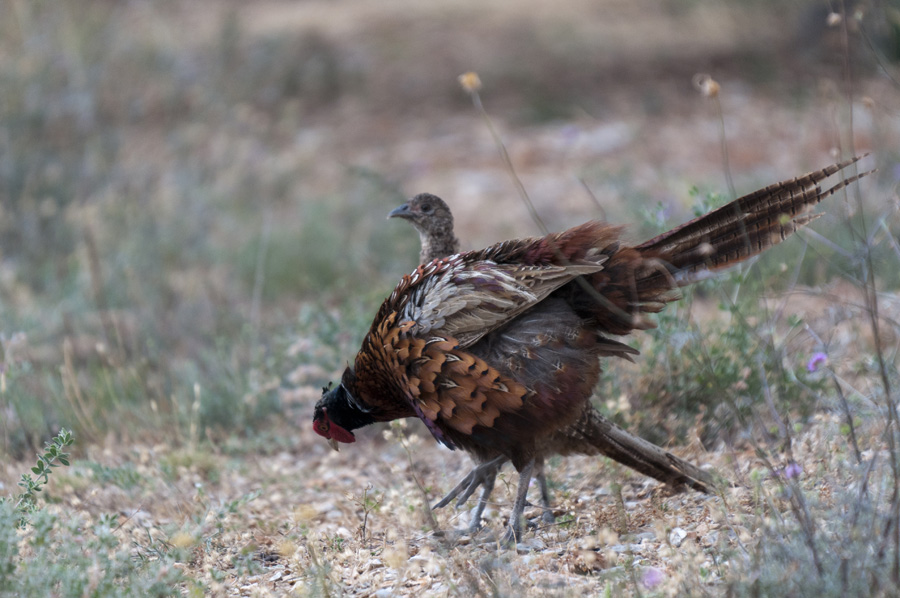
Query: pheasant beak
(401, 212)
(334, 444)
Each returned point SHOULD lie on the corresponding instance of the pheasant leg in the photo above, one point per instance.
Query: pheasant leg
(547, 517)
(514, 533)
(487, 487)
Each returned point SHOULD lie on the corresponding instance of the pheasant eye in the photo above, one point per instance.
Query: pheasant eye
(426, 208)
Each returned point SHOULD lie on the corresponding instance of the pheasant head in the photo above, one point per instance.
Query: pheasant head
(432, 218)
(336, 414)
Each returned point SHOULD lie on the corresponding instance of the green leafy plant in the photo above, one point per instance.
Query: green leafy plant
(54, 554)
(369, 502)
(54, 455)
(727, 371)
(66, 556)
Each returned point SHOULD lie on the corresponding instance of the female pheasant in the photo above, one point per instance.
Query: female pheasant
(495, 350)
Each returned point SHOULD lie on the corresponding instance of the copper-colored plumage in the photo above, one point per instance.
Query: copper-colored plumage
(527, 319)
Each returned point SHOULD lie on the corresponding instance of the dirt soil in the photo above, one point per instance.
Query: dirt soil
(292, 516)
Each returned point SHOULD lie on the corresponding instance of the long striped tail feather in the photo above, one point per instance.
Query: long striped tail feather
(745, 227)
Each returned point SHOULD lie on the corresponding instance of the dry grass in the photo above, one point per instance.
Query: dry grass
(192, 241)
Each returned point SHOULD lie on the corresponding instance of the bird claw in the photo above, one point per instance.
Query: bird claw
(451, 495)
(511, 537)
(475, 478)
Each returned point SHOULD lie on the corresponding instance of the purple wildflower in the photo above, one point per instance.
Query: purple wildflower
(652, 577)
(792, 470)
(815, 361)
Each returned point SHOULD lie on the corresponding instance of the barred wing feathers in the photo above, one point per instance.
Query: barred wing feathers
(414, 358)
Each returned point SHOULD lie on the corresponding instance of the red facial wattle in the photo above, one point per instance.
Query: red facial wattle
(341, 435)
(328, 429)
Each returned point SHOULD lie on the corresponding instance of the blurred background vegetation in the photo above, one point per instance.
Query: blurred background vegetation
(193, 195)
(193, 241)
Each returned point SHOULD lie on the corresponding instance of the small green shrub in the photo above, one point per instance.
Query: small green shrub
(54, 455)
(65, 556)
(53, 554)
(828, 551)
(725, 372)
